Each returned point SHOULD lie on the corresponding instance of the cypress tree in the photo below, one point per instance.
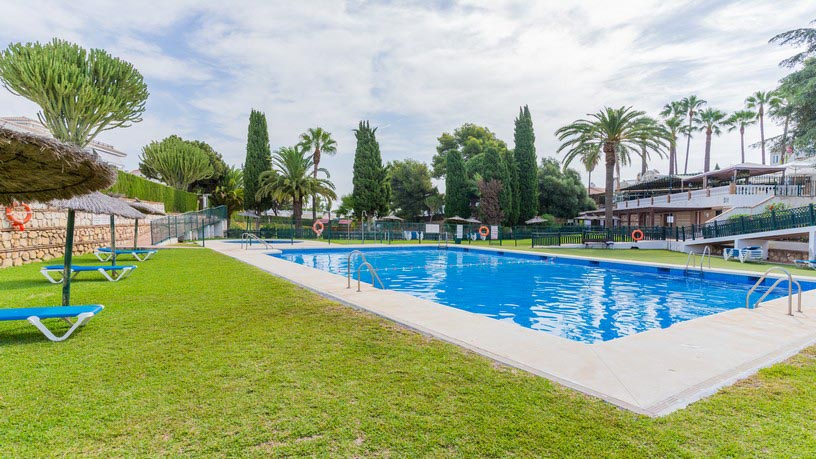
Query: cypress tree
(456, 186)
(511, 172)
(371, 189)
(258, 160)
(526, 165)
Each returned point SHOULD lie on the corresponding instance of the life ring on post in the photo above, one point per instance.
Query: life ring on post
(484, 231)
(637, 235)
(317, 227)
(16, 222)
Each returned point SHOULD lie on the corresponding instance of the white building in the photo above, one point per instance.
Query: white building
(105, 151)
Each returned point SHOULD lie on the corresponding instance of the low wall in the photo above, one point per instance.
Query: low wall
(44, 235)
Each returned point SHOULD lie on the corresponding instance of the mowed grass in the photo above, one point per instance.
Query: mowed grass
(197, 354)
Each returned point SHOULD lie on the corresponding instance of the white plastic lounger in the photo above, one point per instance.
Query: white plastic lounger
(731, 253)
(805, 264)
(123, 271)
(105, 254)
(35, 316)
(750, 254)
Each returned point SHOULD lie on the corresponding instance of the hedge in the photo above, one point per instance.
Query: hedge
(174, 200)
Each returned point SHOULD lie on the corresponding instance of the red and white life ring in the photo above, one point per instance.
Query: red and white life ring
(318, 227)
(16, 222)
(484, 231)
(637, 235)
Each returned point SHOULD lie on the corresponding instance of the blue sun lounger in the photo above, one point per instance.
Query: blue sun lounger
(123, 271)
(104, 253)
(805, 263)
(35, 316)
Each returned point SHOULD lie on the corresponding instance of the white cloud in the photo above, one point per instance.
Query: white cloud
(418, 69)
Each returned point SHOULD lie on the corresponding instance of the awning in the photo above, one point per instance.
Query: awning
(740, 170)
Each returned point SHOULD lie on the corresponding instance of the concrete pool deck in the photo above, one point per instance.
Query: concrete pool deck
(652, 373)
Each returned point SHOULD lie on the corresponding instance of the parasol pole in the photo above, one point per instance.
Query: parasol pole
(113, 241)
(66, 269)
(136, 235)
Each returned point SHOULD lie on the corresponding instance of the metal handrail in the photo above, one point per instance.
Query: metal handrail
(374, 275)
(439, 241)
(249, 237)
(348, 265)
(706, 250)
(692, 259)
(791, 283)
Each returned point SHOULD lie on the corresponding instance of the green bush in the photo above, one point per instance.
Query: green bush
(137, 187)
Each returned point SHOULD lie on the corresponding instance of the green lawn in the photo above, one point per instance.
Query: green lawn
(199, 355)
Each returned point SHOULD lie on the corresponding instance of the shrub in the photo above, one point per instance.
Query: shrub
(137, 187)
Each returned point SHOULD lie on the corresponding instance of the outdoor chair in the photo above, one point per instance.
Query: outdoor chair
(105, 253)
(34, 316)
(805, 264)
(123, 271)
(750, 254)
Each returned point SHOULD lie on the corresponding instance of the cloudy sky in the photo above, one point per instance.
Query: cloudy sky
(416, 68)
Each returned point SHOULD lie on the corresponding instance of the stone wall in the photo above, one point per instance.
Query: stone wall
(44, 236)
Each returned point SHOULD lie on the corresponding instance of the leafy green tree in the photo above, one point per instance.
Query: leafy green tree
(80, 93)
(490, 209)
(230, 191)
(371, 190)
(711, 122)
(799, 89)
(220, 169)
(758, 101)
(176, 162)
(321, 142)
(258, 160)
(798, 37)
(346, 208)
(561, 193)
(691, 105)
(781, 109)
(457, 202)
(525, 155)
(410, 187)
(617, 132)
(469, 140)
(435, 203)
(291, 179)
(740, 120)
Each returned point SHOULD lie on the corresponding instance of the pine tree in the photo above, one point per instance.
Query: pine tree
(258, 160)
(526, 165)
(371, 189)
(456, 186)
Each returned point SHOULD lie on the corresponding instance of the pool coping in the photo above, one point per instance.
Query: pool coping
(653, 373)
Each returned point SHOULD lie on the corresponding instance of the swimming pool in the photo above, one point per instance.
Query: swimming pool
(268, 241)
(582, 300)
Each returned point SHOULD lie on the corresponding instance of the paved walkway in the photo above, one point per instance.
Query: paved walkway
(652, 373)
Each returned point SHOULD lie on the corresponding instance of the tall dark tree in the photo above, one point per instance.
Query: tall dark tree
(525, 155)
(511, 182)
(220, 169)
(410, 187)
(258, 160)
(469, 140)
(490, 208)
(457, 201)
(371, 189)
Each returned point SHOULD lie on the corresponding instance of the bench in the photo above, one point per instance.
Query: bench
(597, 239)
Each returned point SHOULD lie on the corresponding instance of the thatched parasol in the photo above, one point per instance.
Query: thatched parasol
(472, 220)
(144, 208)
(95, 203)
(392, 217)
(535, 221)
(456, 218)
(38, 168)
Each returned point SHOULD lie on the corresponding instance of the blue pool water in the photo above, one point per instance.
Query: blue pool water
(587, 301)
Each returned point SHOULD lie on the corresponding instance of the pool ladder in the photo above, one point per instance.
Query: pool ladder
(692, 258)
(247, 239)
(366, 264)
(440, 242)
(791, 283)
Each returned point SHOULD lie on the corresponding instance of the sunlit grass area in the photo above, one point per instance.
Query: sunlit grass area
(197, 354)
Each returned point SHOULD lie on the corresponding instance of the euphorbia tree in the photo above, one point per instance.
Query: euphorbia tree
(80, 93)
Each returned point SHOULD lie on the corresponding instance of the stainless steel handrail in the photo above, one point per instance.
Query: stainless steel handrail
(374, 275)
(691, 259)
(249, 237)
(706, 250)
(348, 265)
(791, 283)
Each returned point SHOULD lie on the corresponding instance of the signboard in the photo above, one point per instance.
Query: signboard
(432, 228)
(494, 232)
(460, 231)
(97, 219)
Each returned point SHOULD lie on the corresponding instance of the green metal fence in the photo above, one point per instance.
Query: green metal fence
(797, 217)
(176, 226)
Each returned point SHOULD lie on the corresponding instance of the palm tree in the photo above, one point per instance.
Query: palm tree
(797, 37)
(645, 155)
(230, 192)
(290, 179)
(758, 101)
(590, 160)
(673, 114)
(741, 119)
(780, 108)
(690, 106)
(321, 142)
(615, 131)
(709, 121)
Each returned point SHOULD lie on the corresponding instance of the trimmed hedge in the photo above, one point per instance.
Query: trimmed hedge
(137, 187)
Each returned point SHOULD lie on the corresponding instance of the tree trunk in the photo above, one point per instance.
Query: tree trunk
(762, 132)
(316, 159)
(707, 164)
(672, 156)
(297, 213)
(617, 172)
(688, 142)
(785, 139)
(742, 143)
(589, 182)
(611, 160)
(642, 161)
